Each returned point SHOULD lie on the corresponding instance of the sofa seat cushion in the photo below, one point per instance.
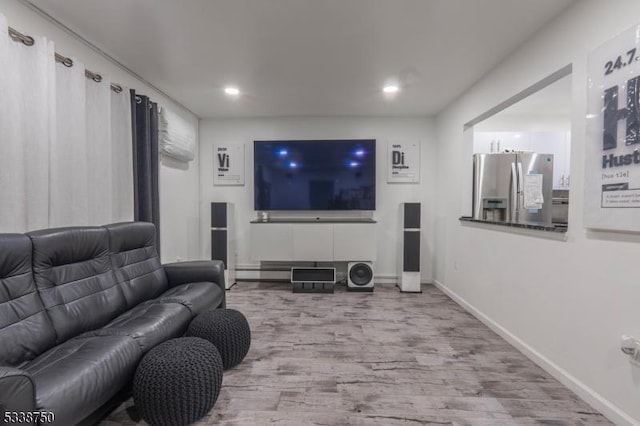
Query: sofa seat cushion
(148, 324)
(197, 297)
(77, 377)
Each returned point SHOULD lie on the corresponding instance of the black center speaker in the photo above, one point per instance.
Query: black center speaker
(360, 276)
(313, 280)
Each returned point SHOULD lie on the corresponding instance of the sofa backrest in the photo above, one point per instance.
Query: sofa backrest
(25, 328)
(73, 274)
(136, 261)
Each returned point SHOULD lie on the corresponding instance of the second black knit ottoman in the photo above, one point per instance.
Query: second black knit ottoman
(178, 381)
(228, 330)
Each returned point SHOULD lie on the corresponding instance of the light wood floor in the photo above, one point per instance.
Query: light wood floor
(381, 358)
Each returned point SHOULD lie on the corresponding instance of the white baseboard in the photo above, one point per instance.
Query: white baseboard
(590, 396)
(264, 275)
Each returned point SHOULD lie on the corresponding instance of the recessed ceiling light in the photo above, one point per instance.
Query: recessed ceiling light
(391, 88)
(232, 91)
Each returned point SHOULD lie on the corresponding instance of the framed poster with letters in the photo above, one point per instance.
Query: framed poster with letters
(228, 164)
(403, 161)
(612, 155)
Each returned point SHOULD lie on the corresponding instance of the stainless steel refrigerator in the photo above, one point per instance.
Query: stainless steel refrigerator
(513, 187)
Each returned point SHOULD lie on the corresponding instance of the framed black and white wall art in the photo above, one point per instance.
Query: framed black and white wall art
(228, 164)
(612, 168)
(403, 161)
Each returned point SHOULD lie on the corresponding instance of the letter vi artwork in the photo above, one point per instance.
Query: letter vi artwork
(228, 164)
(223, 161)
(612, 145)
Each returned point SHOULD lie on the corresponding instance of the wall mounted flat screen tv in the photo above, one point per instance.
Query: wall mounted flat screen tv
(315, 174)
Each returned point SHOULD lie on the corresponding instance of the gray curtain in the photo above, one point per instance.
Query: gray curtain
(144, 121)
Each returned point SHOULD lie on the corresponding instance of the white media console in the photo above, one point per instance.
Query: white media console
(314, 241)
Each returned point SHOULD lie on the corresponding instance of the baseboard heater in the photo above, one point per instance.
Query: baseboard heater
(313, 280)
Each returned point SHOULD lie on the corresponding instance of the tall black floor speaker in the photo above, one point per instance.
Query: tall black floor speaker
(223, 241)
(409, 248)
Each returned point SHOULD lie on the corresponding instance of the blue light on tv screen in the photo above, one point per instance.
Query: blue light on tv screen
(315, 175)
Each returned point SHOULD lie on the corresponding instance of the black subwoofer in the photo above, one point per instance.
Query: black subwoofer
(360, 276)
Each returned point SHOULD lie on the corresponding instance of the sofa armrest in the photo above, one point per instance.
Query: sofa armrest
(196, 271)
(17, 393)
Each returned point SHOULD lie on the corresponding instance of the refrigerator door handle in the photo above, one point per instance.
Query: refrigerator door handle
(513, 199)
(520, 189)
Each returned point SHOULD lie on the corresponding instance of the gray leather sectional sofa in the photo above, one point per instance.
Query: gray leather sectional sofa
(79, 307)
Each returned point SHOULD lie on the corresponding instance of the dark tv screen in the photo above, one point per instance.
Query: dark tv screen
(315, 174)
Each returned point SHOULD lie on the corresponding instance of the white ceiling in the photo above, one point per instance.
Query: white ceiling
(308, 57)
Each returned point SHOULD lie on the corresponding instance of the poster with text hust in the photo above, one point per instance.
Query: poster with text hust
(612, 154)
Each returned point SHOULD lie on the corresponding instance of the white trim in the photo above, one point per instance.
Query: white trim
(263, 275)
(590, 396)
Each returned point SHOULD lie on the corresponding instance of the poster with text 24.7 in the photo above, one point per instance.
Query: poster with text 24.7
(612, 168)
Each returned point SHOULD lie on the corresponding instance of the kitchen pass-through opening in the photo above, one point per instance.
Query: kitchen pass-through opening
(521, 154)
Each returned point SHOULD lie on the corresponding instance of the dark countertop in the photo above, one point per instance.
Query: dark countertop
(561, 228)
(315, 220)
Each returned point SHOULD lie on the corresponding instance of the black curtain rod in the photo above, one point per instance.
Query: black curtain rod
(64, 60)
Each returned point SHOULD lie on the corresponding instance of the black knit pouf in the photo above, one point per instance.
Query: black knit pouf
(228, 330)
(178, 381)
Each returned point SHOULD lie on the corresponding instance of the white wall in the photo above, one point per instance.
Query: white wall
(180, 208)
(179, 185)
(564, 303)
(388, 196)
(525, 123)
